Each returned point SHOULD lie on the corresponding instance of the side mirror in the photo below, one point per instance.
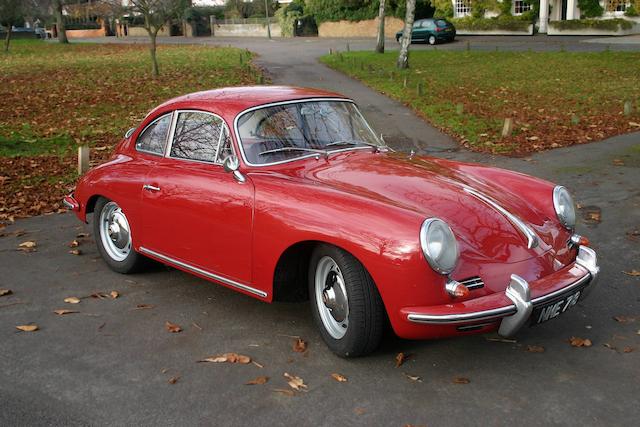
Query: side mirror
(232, 164)
(130, 132)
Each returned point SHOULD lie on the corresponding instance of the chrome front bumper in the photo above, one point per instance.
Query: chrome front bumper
(515, 315)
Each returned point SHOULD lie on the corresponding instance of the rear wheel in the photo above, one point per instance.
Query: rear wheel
(345, 302)
(432, 40)
(113, 237)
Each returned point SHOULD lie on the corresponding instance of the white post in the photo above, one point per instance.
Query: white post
(544, 16)
(83, 159)
(571, 9)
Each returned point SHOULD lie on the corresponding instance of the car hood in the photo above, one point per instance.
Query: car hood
(433, 189)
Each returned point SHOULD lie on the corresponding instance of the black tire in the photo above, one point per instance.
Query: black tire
(132, 262)
(366, 313)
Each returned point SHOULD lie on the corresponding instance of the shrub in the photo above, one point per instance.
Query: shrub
(502, 22)
(595, 24)
(590, 8)
(631, 11)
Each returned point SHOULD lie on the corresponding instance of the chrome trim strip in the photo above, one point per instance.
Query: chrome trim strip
(532, 239)
(204, 273)
(463, 317)
(542, 299)
(294, 101)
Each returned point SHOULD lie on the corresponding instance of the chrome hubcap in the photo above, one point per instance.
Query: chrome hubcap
(115, 233)
(331, 297)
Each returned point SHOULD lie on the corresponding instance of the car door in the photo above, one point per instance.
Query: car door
(428, 29)
(197, 215)
(417, 32)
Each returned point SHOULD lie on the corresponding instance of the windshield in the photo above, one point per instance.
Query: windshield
(300, 129)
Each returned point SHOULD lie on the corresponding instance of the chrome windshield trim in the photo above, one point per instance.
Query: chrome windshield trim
(294, 101)
(532, 238)
(204, 272)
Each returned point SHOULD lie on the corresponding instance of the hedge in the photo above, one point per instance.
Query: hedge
(595, 24)
(506, 23)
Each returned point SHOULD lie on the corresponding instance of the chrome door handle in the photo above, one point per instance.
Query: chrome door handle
(150, 187)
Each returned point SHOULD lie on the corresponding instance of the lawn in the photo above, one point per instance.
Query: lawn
(553, 98)
(55, 97)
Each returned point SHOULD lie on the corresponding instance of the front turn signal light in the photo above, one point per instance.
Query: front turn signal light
(456, 289)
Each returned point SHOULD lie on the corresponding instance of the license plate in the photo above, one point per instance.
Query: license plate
(555, 308)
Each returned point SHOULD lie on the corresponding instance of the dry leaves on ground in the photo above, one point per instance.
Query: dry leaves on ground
(228, 358)
(27, 328)
(295, 382)
(624, 319)
(144, 306)
(535, 349)
(74, 244)
(172, 327)
(339, 377)
(82, 235)
(4, 292)
(299, 345)
(633, 273)
(580, 342)
(28, 246)
(400, 359)
(284, 391)
(114, 294)
(174, 380)
(75, 252)
(413, 378)
(461, 380)
(62, 312)
(257, 381)
(72, 300)
(628, 349)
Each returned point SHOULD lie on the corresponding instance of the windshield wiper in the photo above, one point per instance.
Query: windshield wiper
(356, 142)
(283, 149)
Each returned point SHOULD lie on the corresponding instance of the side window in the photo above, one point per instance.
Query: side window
(154, 137)
(197, 136)
(417, 24)
(225, 150)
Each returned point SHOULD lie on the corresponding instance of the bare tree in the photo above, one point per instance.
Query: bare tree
(403, 58)
(60, 27)
(380, 44)
(157, 13)
(11, 13)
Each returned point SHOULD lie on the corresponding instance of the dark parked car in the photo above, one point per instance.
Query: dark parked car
(431, 30)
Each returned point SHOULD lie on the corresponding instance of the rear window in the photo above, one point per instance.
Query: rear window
(441, 23)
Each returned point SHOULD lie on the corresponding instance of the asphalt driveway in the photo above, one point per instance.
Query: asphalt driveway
(110, 364)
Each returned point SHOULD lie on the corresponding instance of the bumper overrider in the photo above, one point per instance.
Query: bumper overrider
(513, 308)
(71, 203)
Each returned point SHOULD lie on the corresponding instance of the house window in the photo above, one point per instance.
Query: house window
(462, 7)
(617, 5)
(520, 6)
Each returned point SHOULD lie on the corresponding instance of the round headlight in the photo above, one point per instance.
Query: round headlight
(439, 245)
(565, 209)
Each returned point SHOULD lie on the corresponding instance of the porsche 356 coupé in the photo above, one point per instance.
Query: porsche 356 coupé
(279, 192)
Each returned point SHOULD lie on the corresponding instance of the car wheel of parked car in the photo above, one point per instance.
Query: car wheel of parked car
(432, 40)
(345, 302)
(113, 237)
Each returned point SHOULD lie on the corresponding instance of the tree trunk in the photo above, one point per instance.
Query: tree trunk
(7, 39)
(62, 32)
(155, 72)
(403, 58)
(380, 44)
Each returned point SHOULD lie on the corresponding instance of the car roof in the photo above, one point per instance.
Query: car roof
(233, 100)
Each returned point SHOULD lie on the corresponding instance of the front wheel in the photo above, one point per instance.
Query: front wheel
(345, 302)
(113, 236)
(432, 40)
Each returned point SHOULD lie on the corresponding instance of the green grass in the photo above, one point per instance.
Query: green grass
(554, 98)
(56, 96)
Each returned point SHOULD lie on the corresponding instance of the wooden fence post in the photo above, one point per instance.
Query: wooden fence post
(83, 159)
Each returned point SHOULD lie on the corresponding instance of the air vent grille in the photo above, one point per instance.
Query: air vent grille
(474, 282)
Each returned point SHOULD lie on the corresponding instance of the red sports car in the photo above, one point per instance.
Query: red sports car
(283, 192)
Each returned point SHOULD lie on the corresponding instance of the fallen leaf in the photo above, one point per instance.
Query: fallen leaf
(28, 246)
(74, 244)
(27, 328)
(4, 292)
(75, 252)
(72, 300)
(628, 349)
(228, 358)
(632, 273)
(414, 378)
(461, 380)
(400, 358)
(196, 325)
(535, 349)
(174, 380)
(299, 345)
(359, 411)
(285, 392)
(99, 295)
(580, 342)
(82, 235)
(62, 312)
(295, 382)
(172, 327)
(624, 319)
(144, 306)
(257, 381)
(609, 346)
(339, 377)
(257, 364)
(115, 294)
(634, 124)
(618, 162)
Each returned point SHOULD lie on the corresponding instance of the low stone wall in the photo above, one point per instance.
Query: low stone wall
(528, 32)
(367, 28)
(551, 31)
(246, 30)
(141, 32)
(81, 34)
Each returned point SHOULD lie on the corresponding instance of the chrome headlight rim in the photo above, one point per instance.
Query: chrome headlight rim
(424, 240)
(559, 191)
